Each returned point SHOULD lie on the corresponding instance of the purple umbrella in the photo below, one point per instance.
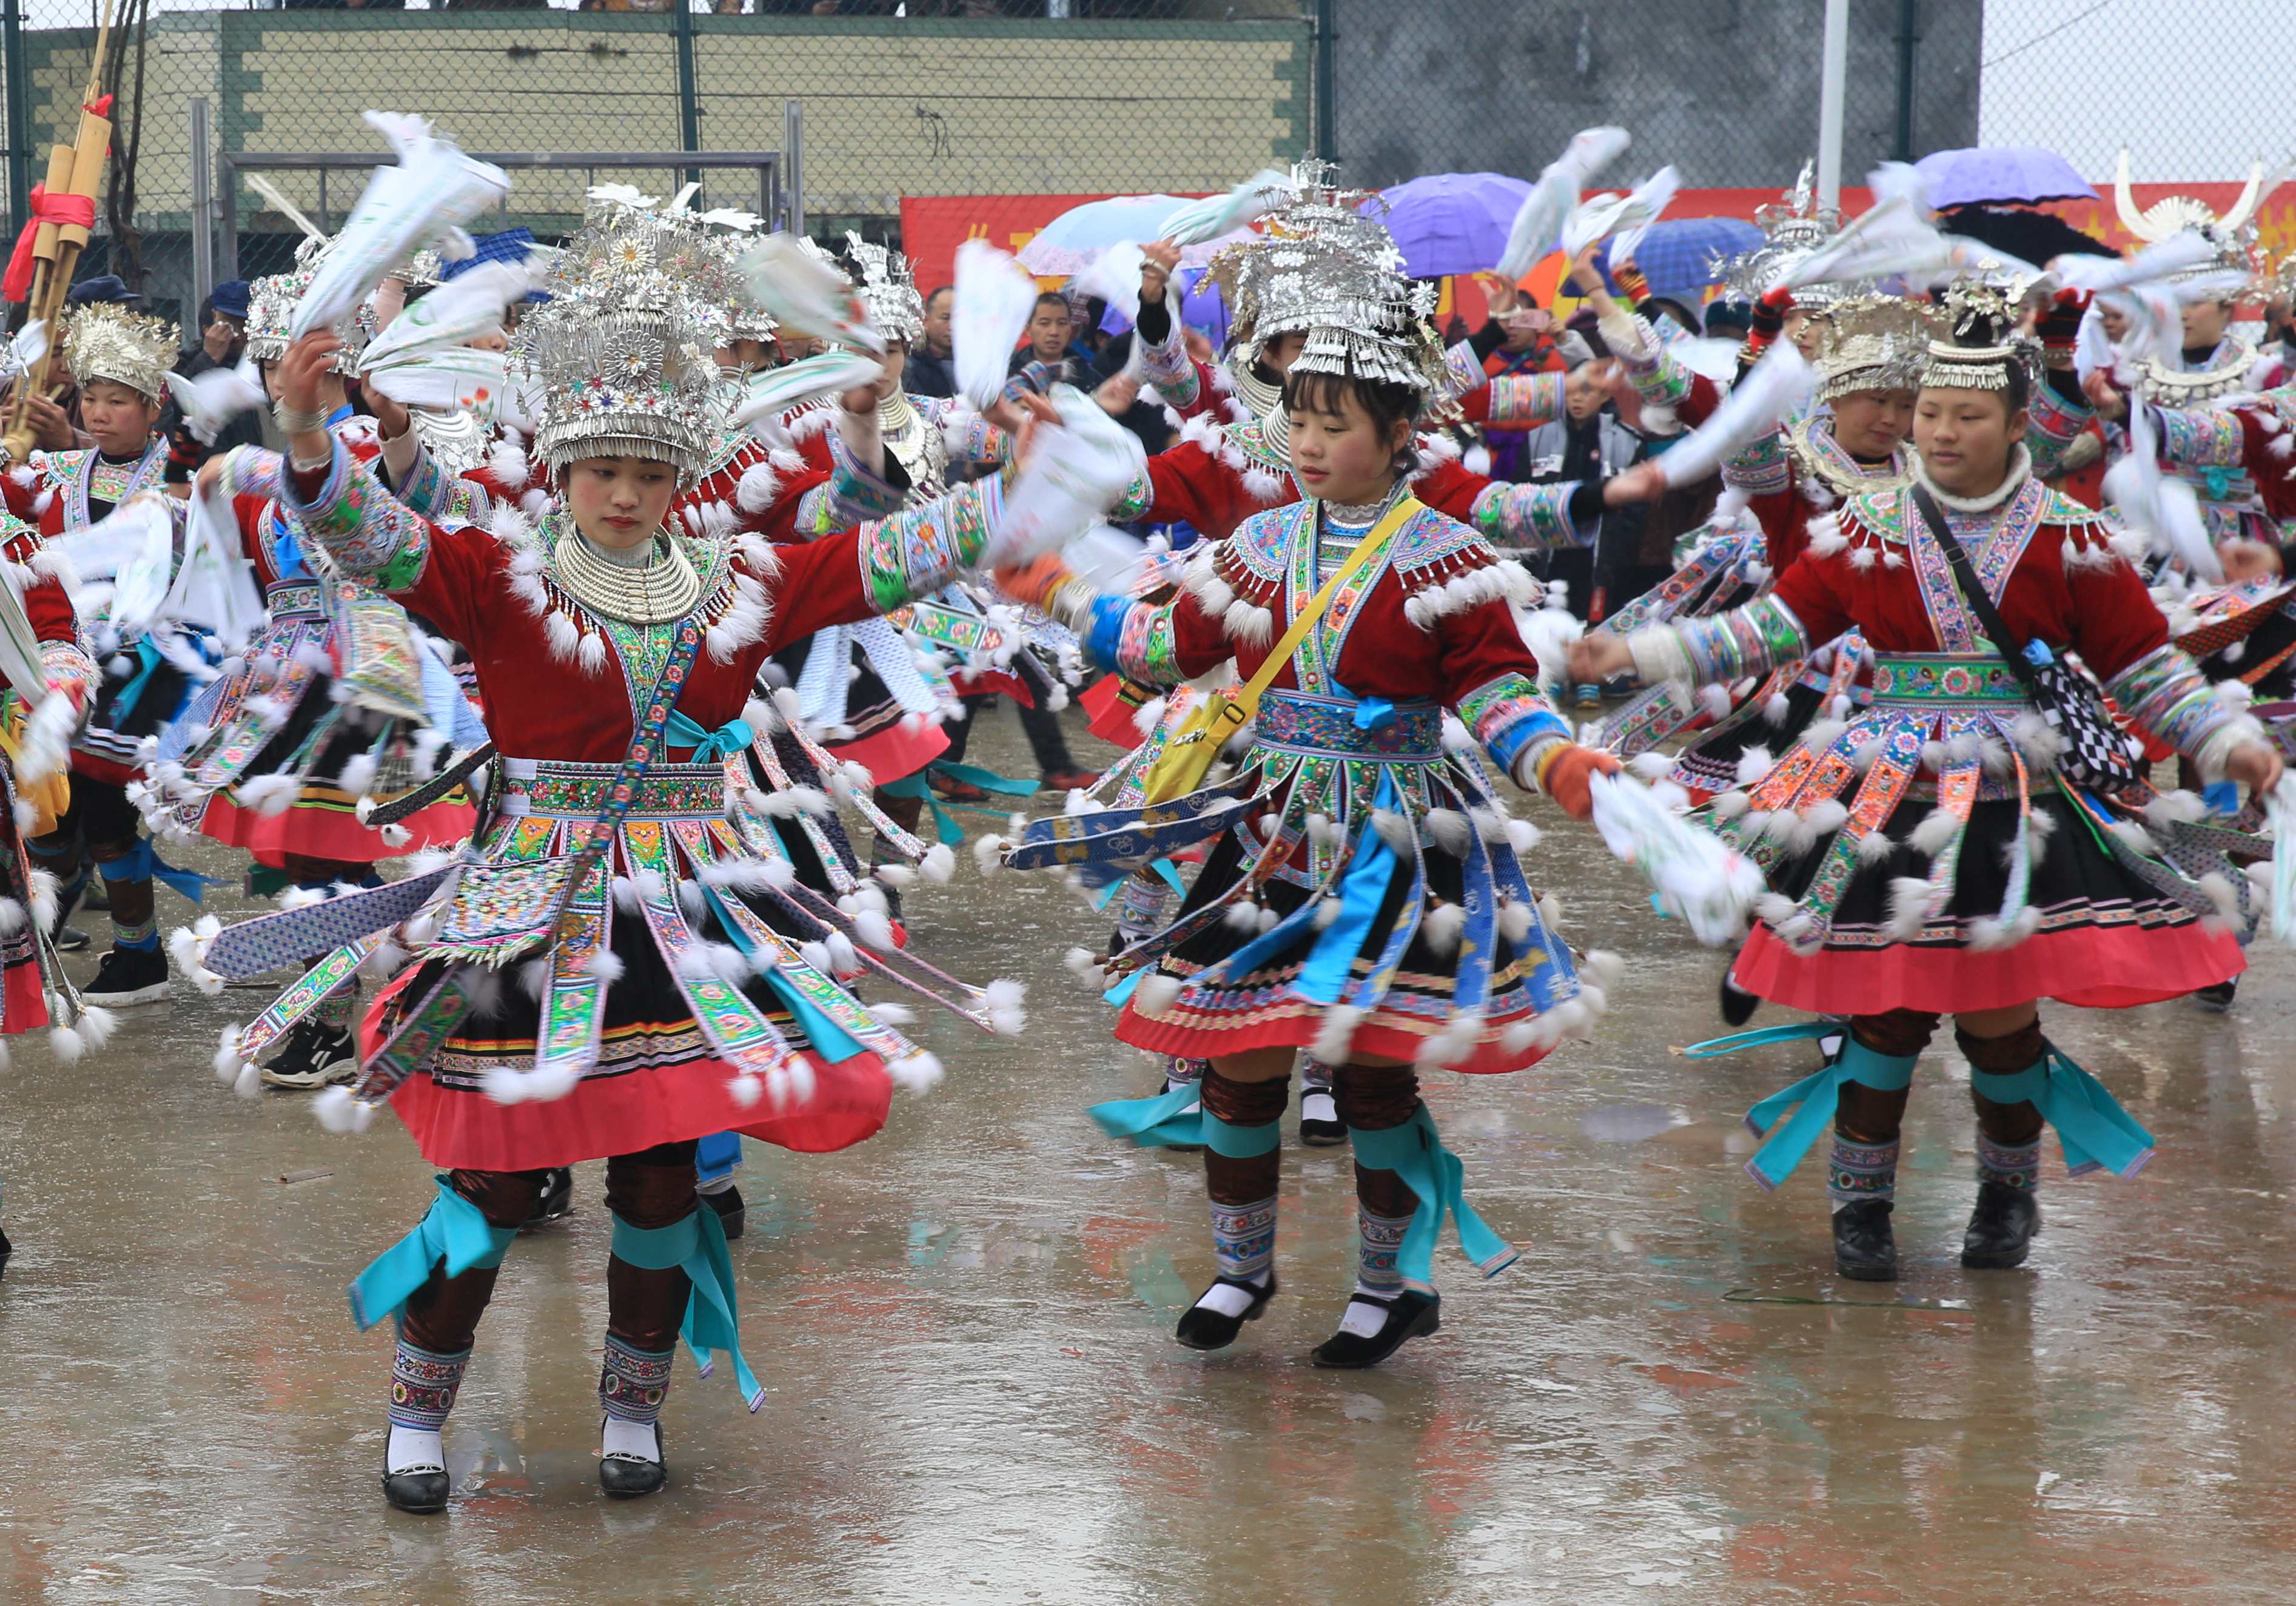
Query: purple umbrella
(2000, 173)
(1200, 307)
(1450, 222)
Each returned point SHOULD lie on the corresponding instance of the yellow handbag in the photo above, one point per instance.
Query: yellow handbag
(1189, 754)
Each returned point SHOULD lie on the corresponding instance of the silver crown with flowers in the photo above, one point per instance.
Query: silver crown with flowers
(1372, 323)
(619, 352)
(1794, 225)
(272, 300)
(1873, 342)
(889, 289)
(1981, 343)
(103, 340)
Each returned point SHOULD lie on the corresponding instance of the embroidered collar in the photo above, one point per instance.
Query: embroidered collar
(1820, 456)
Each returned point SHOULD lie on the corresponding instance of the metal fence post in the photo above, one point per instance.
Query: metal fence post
(793, 166)
(689, 105)
(1326, 37)
(203, 279)
(20, 117)
(1833, 72)
(1908, 21)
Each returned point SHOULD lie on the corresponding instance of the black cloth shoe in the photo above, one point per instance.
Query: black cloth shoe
(126, 976)
(631, 1476)
(1410, 1314)
(1738, 1005)
(314, 1055)
(1204, 1328)
(557, 1201)
(1865, 1248)
(731, 1212)
(1320, 1125)
(7, 1249)
(2001, 1227)
(67, 940)
(2217, 997)
(421, 1490)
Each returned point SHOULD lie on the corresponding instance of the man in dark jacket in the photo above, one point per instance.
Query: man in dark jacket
(933, 365)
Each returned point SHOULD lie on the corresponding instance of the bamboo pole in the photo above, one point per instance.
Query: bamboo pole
(73, 170)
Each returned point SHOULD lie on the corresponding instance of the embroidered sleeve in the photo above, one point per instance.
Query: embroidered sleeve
(855, 492)
(1510, 716)
(1524, 401)
(1658, 376)
(2201, 438)
(1134, 639)
(1446, 568)
(1761, 469)
(2053, 424)
(428, 491)
(970, 438)
(70, 670)
(2165, 693)
(915, 553)
(1728, 646)
(1531, 517)
(367, 533)
(1462, 370)
(1166, 365)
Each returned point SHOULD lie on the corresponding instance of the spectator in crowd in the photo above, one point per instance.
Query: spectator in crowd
(105, 288)
(223, 341)
(1050, 340)
(1588, 444)
(1518, 339)
(931, 369)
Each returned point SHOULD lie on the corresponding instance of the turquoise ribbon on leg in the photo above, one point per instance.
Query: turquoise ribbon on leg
(1153, 1123)
(453, 1230)
(1416, 1154)
(1819, 1094)
(696, 1246)
(144, 864)
(147, 659)
(2096, 1132)
(733, 736)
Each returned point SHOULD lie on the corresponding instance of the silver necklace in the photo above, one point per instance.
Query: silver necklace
(655, 592)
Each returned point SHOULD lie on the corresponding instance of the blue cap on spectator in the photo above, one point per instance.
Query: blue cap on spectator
(230, 299)
(103, 287)
(511, 245)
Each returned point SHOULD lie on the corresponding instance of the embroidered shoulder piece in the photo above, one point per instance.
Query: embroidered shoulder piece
(1240, 581)
(1249, 453)
(1446, 568)
(1828, 472)
(62, 470)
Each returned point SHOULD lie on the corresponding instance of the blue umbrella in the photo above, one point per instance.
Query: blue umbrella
(1682, 256)
(1450, 222)
(1978, 174)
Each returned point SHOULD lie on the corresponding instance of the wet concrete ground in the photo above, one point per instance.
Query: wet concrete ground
(965, 1328)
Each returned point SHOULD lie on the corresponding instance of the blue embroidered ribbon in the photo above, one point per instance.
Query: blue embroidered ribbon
(734, 736)
(697, 1247)
(1416, 1153)
(452, 1231)
(2097, 1132)
(1819, 1094)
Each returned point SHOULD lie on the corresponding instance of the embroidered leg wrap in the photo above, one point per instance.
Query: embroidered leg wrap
(632, 1382)
(423, 1383)
(1404, 1172)
(128, 883)
(1858, 1172)
(1179, 1072)
(1375, 1099)
(650, 1190)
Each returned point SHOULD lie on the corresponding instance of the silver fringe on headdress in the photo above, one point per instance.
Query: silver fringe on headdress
(102, 340)
(1372, 323)
(1873, 343)
(1982, 344)
(889, 289)
(620, 351)
(1795, 225)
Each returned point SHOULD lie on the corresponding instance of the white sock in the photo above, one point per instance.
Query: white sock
(1315, 1104)
(1363, 1318)
(1227, 1299)
(635, 1440)
(413, 1447)
(716, 1185)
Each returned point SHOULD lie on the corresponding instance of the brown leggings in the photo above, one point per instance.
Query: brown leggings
(1371, 1098)
(651, 1189)
(1872, 1115)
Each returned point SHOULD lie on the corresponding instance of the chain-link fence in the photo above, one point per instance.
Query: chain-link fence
(934, 98)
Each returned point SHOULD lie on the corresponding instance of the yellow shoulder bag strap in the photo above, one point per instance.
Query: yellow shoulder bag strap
(1183, 765)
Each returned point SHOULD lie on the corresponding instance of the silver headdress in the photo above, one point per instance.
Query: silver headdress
(889, 289)
(2234, 235)
(1795, 225)
(1873, 343)
(102, 340)
(620, 353)
(419, 270)
(1982, 343)
(272, 300)
(1371, 323)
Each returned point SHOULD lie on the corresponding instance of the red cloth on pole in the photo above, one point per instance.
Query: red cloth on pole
(59, 210)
